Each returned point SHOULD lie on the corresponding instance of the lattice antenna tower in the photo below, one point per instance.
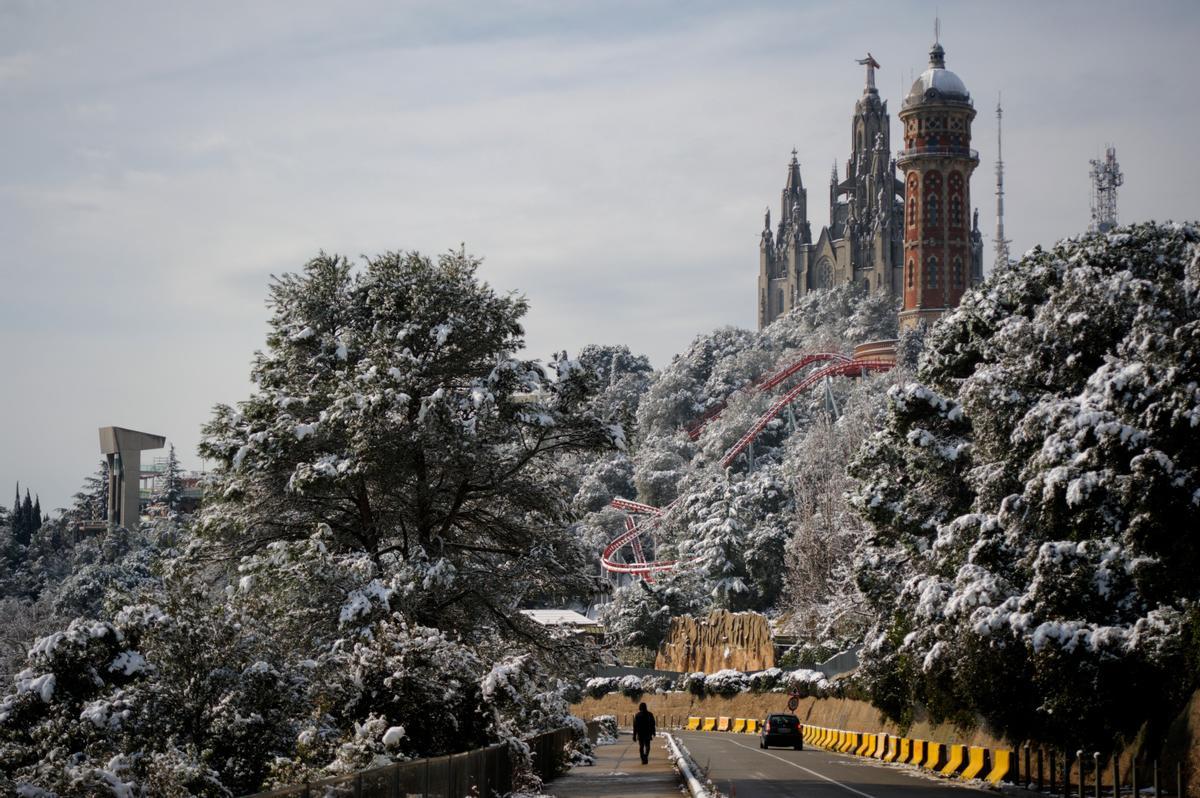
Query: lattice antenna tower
(1106, 176)
(1002, 256)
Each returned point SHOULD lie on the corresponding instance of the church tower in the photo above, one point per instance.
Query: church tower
(943, 248)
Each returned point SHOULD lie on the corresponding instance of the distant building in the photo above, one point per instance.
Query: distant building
(565, 619)
(943, 248)
(864, 242)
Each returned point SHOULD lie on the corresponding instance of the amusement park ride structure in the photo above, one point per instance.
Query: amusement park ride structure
(876, 356)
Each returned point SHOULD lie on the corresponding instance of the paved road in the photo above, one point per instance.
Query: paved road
(740, 768)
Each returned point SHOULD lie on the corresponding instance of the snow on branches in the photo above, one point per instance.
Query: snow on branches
(1028, 497)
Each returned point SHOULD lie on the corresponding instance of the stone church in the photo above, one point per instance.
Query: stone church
(864, 241)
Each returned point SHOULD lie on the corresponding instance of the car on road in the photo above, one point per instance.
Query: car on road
(781, 729)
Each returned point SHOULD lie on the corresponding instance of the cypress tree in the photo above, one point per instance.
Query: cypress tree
(26, 521)
(37, 513)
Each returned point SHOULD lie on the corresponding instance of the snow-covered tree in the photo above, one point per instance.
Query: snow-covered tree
(640, 613)
(171, 491)
(1027, 496)
(389, 406)
(621, 378)
(91, 502)
(826, 606)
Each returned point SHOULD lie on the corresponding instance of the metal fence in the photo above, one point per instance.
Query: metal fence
(1093, 776)
(483, 772)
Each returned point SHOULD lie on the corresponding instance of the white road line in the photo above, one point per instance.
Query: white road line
(806, 770)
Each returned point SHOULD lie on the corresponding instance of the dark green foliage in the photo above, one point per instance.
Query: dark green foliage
(1028, 498)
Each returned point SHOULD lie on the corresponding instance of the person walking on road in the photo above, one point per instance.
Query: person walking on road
(644, 731)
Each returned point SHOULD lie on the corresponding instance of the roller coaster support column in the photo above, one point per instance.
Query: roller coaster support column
(750, 458)
(831, 406)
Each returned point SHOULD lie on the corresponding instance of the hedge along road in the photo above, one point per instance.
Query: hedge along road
(737, 766)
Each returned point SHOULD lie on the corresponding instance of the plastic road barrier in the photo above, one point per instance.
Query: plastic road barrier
(1003, 761)
(933, 756)
(693, 724)
(976, 760)
(709, 724)
(954, 762)
(739, 725)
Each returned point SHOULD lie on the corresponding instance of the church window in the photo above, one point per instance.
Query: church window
(779, 299)
(957, 274)
(911, 270)
(933, 190)
(931, 209)
(931, 272)
(824, 274)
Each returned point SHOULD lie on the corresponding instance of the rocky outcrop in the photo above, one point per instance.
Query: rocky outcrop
(738, 640)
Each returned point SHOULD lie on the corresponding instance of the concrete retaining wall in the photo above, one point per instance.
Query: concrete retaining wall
(836, 713)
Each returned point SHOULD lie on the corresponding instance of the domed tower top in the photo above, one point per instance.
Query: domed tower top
(937, 82)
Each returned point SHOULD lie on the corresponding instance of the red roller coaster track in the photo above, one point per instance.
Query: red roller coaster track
(632, 536)
(761, 385)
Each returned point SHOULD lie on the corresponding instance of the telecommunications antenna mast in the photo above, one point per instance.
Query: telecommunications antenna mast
(1106, 176)
(1000, 241)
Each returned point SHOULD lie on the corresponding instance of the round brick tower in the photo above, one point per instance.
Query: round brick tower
(937, 161)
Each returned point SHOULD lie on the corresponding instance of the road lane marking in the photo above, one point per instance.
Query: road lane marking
(806, 770)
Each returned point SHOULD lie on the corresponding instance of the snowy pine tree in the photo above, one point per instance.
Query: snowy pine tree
(171, 492)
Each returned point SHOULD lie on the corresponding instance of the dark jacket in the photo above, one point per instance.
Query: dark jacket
(643, 725)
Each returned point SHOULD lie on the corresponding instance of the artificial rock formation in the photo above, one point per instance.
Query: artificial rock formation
(737, 640)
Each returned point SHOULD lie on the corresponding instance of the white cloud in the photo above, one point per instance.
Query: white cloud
(611, 161)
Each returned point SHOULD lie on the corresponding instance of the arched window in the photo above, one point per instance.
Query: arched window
(956, 274)
(931, 272)
(955, 185)
(913, 194)
(912, 268)
(932, 183)
(779, 299)
(825, 273)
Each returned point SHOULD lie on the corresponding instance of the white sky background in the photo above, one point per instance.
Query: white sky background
(610, 160)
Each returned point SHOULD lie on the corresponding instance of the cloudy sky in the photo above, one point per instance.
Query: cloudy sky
(158, 161)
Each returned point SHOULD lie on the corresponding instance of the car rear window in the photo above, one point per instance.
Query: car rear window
(783, 722)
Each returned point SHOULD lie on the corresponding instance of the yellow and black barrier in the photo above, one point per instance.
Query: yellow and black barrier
(953, 761)
(949, 760)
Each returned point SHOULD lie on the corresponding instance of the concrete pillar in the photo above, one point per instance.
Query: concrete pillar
(123, 448)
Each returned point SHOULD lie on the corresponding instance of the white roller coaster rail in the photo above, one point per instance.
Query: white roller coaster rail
(839, 365)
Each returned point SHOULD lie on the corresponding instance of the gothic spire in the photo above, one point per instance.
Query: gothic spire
(793, 178)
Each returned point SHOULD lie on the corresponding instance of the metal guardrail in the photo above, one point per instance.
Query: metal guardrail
(480, 772)
(681, 758)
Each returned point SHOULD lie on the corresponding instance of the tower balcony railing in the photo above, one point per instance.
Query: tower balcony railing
(939, 151)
